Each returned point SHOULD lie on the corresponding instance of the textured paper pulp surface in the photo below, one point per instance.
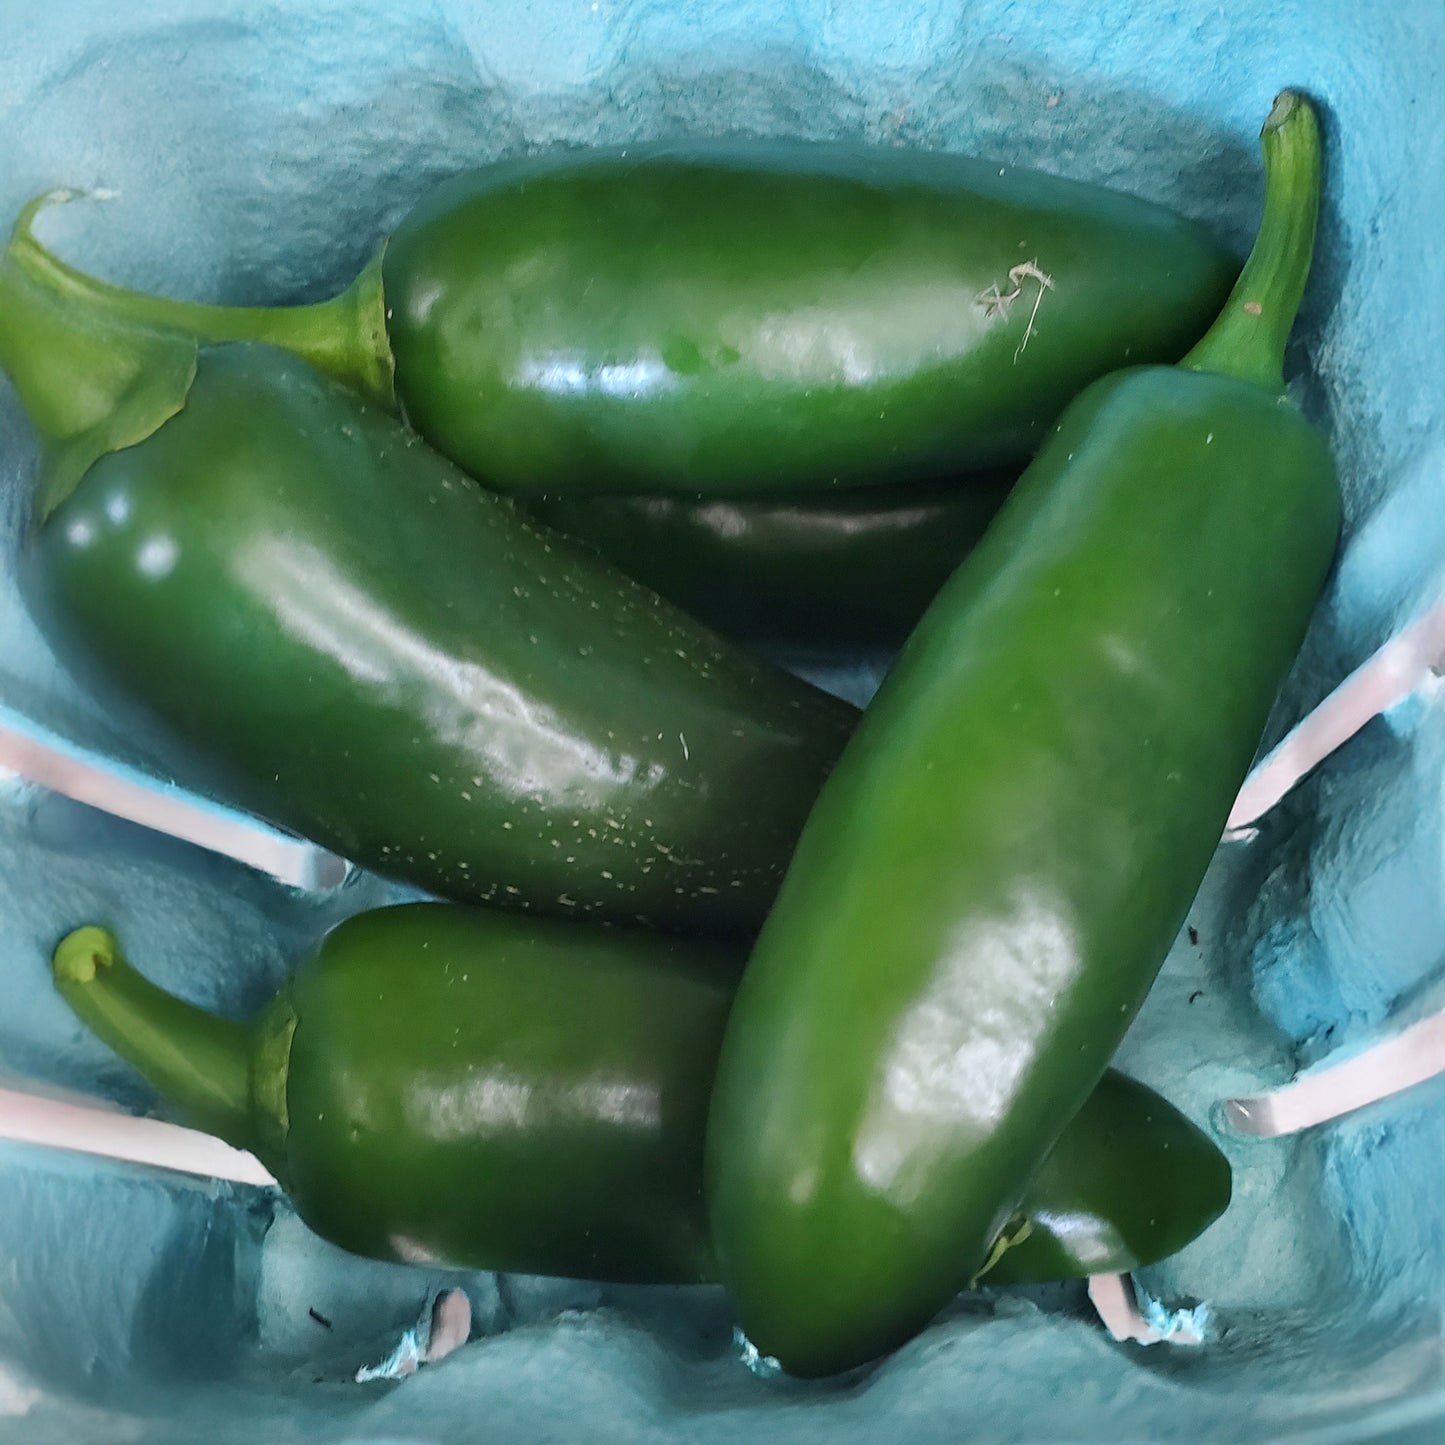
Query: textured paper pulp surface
(260, 152)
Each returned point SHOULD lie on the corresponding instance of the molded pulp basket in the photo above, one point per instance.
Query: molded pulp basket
(259, 151)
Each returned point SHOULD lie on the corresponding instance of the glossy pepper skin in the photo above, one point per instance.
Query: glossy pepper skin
(776, 315)
(1129, 1182)
(808, 573)
(362, 646)
(998, 865)
(765, 316)
(816, 570)
(462, 1086)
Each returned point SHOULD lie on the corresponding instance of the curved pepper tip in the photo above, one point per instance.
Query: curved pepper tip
(80, 955)
(1285, 104)
(23, 230)
(57, 196)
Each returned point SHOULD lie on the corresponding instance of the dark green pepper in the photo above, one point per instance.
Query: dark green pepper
(1129, 1182)
(849, 569)
(360, 645)
(992, 875)
(458, 1086)
(769, 316)
(852, 570)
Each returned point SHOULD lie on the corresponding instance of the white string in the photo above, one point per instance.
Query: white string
(124, 793)
(1407, 1058)
(1407, 662)
(86, 1128)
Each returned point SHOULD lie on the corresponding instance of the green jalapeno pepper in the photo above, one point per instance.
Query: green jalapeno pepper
(464, 1087)
(852, 570)
(357, 643)
(1129, 1182)
(993, 873)
(768, 316)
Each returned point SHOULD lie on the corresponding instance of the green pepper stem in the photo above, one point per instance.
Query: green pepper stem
(1248, 338)
(344, 337)
(200, 1063)
(91, 382)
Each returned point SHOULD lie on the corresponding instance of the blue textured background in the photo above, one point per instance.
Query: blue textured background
(260, 151)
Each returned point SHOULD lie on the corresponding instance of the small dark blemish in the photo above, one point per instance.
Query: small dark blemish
(320, 1320)
(1193, 935)
(1198, 993)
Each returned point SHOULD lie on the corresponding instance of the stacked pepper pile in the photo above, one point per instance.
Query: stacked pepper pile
(733, 982)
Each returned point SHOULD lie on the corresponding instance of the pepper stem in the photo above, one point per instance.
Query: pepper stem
(91, 381)
(344, 337)
(1248, 338)
(197, 1061)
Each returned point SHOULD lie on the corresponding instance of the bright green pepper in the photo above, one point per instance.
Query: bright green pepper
(768, 316)
(460, 1086)
(995, 870)
(853, 570)
(360, 645)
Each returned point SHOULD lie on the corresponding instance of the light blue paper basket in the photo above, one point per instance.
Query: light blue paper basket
(259, 151)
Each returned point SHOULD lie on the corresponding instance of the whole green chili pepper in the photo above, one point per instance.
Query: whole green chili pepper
(992, 875)
(462, 1086)
(711, 317)
(359, 644)
(848, 571)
